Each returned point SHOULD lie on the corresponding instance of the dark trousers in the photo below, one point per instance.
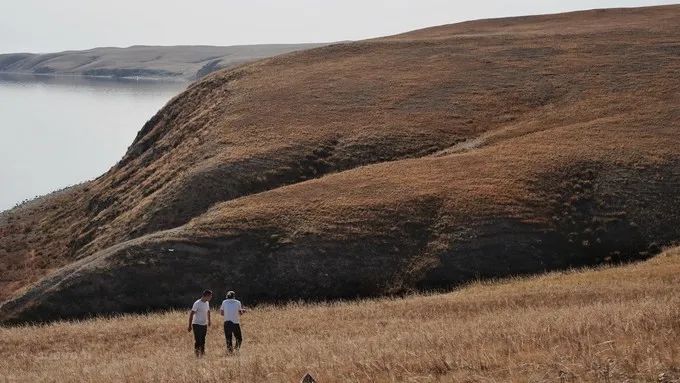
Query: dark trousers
(231, 328)
(200, 331)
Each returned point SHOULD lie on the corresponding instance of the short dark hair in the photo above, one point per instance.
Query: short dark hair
(231, 294)
(206, 293)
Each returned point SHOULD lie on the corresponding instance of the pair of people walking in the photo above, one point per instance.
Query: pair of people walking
(199, 321)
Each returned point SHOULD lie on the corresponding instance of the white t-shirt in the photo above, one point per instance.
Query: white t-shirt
(200, 310)
(231, 309)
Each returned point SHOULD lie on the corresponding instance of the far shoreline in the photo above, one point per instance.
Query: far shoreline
(183, 64)
(112, 78)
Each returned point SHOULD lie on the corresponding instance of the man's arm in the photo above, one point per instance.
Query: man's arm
(191, 318)
(240, 308)
(209, 324)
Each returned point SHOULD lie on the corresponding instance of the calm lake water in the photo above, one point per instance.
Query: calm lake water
(60, 131)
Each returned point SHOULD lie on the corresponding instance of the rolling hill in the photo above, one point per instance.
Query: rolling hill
(418, 161)
(185, 63)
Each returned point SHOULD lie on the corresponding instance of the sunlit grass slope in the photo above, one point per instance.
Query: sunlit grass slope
(613, 324)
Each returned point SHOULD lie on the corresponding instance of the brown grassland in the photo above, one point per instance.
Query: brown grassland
(420, 161)
(608, 324)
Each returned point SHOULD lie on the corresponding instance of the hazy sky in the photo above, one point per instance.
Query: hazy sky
(48, 25)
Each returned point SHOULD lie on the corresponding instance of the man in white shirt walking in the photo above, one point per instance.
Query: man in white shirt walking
(231, 310)
(199, 320)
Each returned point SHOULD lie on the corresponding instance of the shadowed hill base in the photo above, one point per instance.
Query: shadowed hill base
(423, 160)
(614, 324)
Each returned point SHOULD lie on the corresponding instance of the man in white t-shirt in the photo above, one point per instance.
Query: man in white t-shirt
(231, 310)
(199, 320)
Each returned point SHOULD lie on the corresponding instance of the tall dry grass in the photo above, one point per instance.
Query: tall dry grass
(615, 324)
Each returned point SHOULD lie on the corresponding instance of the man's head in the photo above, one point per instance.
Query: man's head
(207, 295)
(231, 295)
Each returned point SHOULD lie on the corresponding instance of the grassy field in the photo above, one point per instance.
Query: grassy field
(611, 324)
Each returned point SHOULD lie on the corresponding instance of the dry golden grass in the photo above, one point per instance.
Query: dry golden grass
(614, 324)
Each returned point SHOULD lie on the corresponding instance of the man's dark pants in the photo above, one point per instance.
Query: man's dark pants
(200, 332)
(231, 328)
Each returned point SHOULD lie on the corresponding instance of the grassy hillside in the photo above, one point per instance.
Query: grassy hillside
(612, 324)
(423, 160)
(158, 62)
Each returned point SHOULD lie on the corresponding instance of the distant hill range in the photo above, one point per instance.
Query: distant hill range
(424, 160)
(186, 62)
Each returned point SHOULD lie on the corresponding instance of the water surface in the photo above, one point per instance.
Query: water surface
(60, 131)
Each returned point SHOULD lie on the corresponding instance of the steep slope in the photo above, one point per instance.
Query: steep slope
(187, 62)
(421, 160)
